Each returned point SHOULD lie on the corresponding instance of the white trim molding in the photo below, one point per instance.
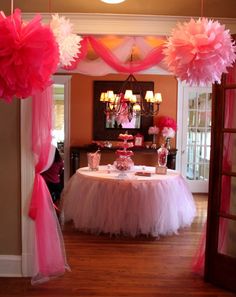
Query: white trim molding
(125, 24)
(66, 81)
(10, 266)
(27, 180)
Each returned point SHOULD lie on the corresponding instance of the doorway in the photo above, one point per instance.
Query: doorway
(61, 94)
(194, 135)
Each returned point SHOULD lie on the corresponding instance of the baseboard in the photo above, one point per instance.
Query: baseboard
(10, 266)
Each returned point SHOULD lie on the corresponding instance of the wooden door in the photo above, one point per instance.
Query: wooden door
(221, 227)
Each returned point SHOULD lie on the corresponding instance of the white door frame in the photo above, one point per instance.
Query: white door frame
(83, 24)
(27, 171)
(66, 81)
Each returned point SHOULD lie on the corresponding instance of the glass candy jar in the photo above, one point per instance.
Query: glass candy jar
(123, 162)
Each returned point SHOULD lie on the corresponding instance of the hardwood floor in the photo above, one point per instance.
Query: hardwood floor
(118, 266)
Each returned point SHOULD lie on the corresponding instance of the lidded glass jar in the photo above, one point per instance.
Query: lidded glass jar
(123, 162)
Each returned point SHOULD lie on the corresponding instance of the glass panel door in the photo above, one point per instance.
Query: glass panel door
(220, 265)
(196, 137)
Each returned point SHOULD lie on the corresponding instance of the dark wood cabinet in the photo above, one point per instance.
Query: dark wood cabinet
(142, 156)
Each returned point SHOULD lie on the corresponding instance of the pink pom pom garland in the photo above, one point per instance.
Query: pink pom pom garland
(198, 52)
(29, 55)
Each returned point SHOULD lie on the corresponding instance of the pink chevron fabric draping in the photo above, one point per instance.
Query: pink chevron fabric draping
(116, 59)
(50, 258)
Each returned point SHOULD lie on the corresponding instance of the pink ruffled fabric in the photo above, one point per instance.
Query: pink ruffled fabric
(198, 52)
(28, 56)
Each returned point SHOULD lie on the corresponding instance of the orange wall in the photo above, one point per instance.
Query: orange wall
(82, 101)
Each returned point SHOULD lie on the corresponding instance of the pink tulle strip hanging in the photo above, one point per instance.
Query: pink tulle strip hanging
(50, 259)
(28, 56)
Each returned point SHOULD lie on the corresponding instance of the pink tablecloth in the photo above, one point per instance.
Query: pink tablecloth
(101, 202)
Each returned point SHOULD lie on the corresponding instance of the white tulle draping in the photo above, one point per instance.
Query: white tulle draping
(99, 67)
(101, 203)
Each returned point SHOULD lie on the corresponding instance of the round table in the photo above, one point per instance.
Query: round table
(100, 202)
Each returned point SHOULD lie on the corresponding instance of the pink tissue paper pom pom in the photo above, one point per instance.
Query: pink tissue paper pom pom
(165, 121)
(28, 56)
(198, 52)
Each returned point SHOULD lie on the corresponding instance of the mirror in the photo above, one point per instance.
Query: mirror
(109, 129)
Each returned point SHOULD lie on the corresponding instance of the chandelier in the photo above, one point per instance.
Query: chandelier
(131, 101)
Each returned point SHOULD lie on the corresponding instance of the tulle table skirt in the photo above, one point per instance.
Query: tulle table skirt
(100, 202)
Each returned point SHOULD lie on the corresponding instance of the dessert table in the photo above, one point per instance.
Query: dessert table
(101, 202)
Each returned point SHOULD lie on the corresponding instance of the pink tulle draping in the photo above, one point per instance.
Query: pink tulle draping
(198, 52)
(199, 258)
(28, 56)
(50, 259)
(99, 66)
(153, 58)
(115, 60)
(227, 166)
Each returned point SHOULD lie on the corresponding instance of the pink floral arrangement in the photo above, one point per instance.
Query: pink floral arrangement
(198, 52)
(153, 130)
(167, 125)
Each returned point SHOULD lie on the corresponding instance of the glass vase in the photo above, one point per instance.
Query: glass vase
(162, 154)
(167, 144)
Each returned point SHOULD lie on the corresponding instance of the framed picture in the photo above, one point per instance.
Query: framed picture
(138, 140)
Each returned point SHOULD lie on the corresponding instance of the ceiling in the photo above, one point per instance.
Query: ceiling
(211, 8)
